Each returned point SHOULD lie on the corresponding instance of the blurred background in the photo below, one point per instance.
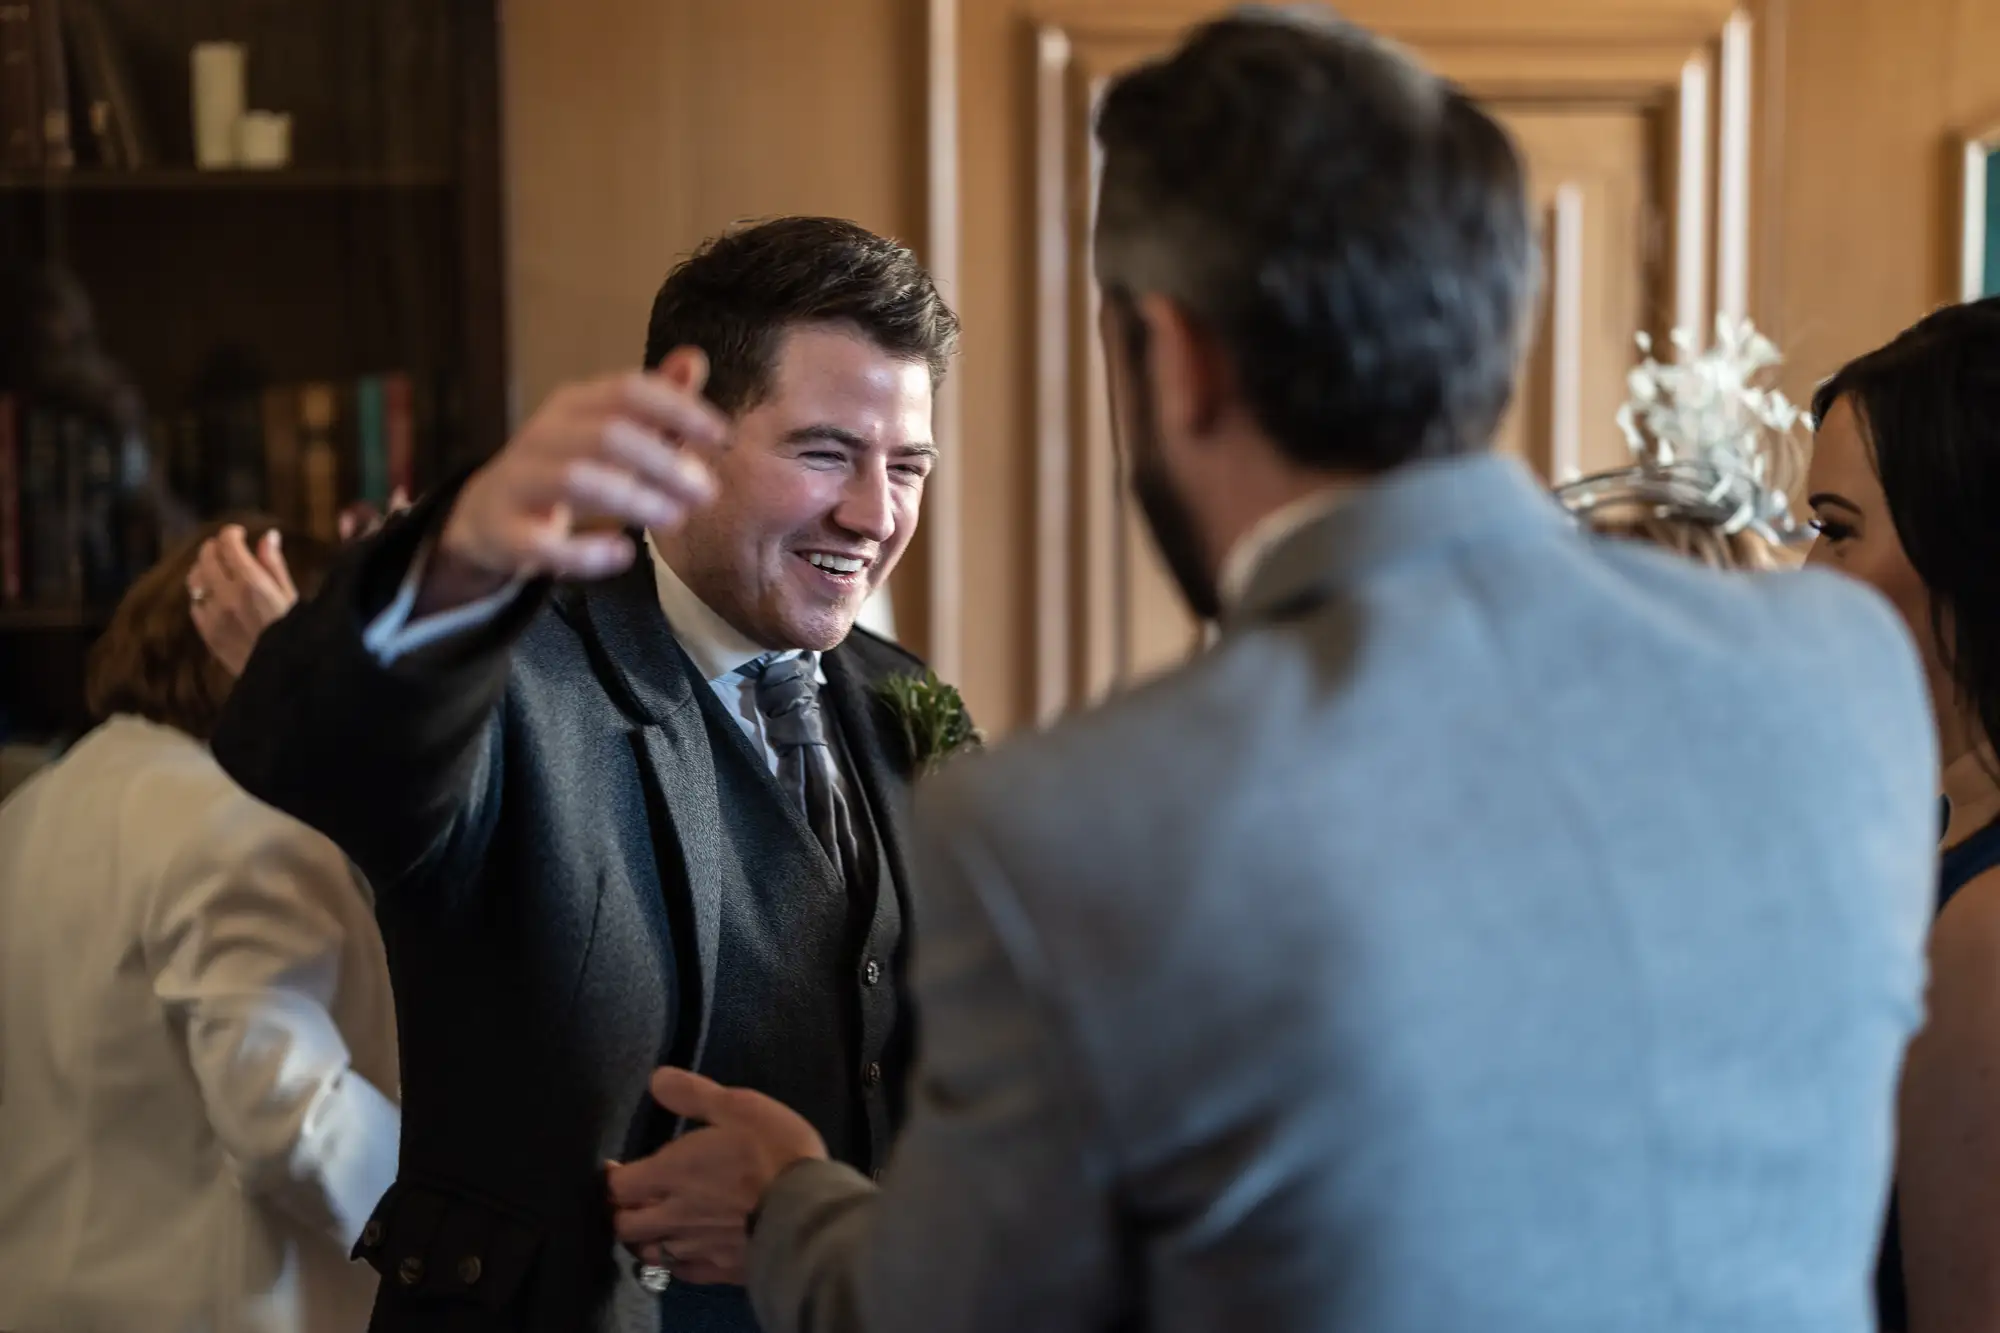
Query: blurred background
(293, 254)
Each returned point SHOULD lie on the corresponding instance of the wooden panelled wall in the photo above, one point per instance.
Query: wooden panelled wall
(1796, 166)
(1865, 236)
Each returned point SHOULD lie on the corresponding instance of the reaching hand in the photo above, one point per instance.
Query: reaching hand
(235, 596)
(597, 457)
(686, 1207)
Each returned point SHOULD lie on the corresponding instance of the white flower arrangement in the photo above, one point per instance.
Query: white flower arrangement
(1710, 439)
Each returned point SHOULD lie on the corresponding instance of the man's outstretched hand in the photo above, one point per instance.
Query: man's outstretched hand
(687, 1206)
(596, 458)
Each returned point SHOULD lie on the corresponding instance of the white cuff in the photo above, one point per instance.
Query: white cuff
(348, 1147)
(392, 635)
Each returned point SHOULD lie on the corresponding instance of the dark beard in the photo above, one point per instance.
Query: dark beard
(1172, 525)
(1166, 511)
(1168, 517)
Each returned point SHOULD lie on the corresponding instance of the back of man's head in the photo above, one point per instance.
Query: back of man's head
(1353, 231)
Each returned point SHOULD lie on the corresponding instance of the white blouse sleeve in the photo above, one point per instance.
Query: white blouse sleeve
(245, 946)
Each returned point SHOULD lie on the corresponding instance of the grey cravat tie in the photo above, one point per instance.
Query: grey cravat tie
(788, 697)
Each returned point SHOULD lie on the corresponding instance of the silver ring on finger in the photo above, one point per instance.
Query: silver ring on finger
(196, 596)
(656, 1278)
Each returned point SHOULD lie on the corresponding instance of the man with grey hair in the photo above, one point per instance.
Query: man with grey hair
(1420, 958)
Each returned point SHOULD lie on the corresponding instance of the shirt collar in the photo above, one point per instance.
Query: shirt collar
(1240, 565)
(718, 648)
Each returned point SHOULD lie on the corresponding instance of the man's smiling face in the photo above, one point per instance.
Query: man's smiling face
(818, 491)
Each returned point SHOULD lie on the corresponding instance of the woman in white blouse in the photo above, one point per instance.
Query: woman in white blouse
(197, 1041)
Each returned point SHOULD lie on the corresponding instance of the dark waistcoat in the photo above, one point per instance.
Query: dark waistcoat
(803, 1007)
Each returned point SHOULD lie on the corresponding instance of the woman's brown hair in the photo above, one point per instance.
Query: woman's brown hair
(151, 659)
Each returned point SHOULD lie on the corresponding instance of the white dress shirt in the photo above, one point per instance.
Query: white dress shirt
(719, 650)
(197, 1053)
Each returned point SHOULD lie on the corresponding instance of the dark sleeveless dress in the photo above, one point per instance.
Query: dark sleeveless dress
(1958, 867)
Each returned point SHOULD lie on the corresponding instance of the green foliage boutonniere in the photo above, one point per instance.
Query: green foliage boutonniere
(933, 718)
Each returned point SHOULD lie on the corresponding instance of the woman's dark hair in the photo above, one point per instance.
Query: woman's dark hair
(739, 293)
(1928, 405)
(152, 660)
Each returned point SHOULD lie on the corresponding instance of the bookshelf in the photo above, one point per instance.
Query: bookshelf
(298, 337)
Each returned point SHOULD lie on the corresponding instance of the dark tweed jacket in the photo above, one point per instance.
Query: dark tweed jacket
(536, 805)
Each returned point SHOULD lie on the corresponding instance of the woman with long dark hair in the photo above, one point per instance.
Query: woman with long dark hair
(1905, 493)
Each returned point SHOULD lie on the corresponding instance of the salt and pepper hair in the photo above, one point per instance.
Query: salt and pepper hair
(1353, 231)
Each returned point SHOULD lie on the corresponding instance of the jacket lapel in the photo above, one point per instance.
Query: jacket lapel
(621, 619)
(886, 784)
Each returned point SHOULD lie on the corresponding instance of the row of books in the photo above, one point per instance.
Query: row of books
(76, 519)
(61, 67)
(303, 452)
(82, 510)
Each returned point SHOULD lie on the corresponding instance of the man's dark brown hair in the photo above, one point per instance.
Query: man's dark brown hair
(738, 295)
(151, 659)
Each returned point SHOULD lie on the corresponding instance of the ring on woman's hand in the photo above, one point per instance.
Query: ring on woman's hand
(196, 596)
(656, 1278)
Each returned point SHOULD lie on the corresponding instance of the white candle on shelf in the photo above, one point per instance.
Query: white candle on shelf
(218, 102)
(264, 139)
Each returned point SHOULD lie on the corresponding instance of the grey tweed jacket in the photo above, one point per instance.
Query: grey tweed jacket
(1498, 930)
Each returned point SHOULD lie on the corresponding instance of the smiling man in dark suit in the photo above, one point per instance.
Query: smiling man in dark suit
(627, 797)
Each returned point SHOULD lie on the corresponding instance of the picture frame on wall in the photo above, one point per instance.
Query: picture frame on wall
(1979, 264)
